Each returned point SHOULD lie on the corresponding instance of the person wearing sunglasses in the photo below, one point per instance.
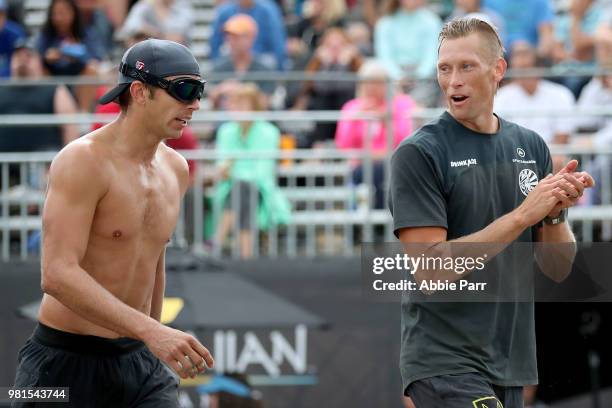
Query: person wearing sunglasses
(112, 204)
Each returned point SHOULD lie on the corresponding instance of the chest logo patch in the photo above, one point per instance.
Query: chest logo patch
(520, 152)
(527, 181)
(462, 163)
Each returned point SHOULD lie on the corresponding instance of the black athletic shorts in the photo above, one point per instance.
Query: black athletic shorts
(468, 390)
(99, 372)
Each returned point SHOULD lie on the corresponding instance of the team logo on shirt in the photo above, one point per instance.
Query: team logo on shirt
(520, 152)
(527, 180)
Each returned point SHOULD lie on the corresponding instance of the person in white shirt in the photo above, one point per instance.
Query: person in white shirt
(533, 93)
(598, 92)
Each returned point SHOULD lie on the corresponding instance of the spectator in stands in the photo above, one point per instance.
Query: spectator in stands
(598, 92)
(15, 11)
(117, 11)
(34, 99)
(595, 95)
(336, 54)
(248, 186)
(240, 33)
(305, 35)
(371, 11)
(97, 24)
(530, 20)
(604, 30)
(575, 41)
(67, 49)
(361, 35)
(533, 93)
(317, 17)
(270, 41)
(164, 19)
(10, 33)
(474, 8)
(406, 38)
(372, 135)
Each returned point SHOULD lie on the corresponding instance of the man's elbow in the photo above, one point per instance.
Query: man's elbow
(52, 278)
(48, 284)
(557, 270)
(558, 275)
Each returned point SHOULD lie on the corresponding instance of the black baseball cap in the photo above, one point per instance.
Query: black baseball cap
(161, 58)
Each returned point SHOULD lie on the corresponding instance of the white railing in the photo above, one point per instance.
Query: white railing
(329, 215)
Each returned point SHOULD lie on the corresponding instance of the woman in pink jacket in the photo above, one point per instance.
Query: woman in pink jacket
(372, 134)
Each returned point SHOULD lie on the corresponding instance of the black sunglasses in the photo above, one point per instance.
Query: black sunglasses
(185, 90)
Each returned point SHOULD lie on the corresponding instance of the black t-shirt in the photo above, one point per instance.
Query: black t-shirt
(23, 100)
(449, 176)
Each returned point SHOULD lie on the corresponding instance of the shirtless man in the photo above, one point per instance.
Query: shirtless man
(112, 204)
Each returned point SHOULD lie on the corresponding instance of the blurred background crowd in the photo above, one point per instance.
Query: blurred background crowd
(370, 64)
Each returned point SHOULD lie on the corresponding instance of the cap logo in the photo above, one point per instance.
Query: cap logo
(139, 65)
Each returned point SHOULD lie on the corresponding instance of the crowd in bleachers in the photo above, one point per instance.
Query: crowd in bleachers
(87, 37)
(374, 42)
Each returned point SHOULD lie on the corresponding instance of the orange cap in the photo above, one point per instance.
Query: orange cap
(240, 24)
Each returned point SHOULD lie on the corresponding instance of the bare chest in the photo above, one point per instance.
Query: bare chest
(140, 205)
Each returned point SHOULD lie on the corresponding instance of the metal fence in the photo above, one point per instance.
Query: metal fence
(329, 215)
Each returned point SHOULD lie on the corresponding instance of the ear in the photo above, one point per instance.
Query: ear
(500, 69)
(138, 92)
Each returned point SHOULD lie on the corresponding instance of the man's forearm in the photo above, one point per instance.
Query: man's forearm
(494, 238)
(556, 250)
(505, 229)
(78, 291)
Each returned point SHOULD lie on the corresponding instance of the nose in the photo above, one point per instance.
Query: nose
(194, 105)
(456, 80)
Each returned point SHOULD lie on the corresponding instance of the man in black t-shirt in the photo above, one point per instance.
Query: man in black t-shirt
(30, 99)
(472, 177)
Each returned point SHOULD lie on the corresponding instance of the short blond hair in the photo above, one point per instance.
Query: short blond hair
(251, 92)
(462, 27)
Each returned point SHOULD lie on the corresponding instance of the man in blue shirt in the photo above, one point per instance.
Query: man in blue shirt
(10, 32)
(530, 20)
(272, 34)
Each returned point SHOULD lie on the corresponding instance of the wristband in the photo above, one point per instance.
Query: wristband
(558, 219)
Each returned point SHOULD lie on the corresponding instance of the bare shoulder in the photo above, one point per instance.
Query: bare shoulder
(177, 163)
(80, 163)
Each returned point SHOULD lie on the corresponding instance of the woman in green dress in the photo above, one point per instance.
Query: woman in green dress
(248, 191)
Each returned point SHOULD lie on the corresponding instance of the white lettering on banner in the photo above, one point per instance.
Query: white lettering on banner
(219, 348)
(281, 349)
(254, 353)
(228, 357)
(231, 351)
(461, 163)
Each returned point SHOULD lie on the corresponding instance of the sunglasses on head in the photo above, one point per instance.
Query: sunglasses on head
(185, 90)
